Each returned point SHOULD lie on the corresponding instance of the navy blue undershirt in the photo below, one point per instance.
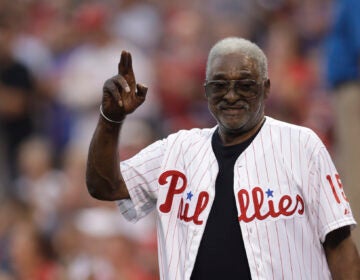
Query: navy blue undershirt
(222, 253)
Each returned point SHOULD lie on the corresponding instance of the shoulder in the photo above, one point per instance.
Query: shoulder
(182, 138)
(303, 136)
(293, 128)
(191, 135)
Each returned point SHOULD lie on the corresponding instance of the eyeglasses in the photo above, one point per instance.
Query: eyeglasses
(219, 88)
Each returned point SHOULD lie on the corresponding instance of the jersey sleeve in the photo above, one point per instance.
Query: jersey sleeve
(332, 206)
(140, 174)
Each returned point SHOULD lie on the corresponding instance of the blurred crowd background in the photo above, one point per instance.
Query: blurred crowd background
(54, 59)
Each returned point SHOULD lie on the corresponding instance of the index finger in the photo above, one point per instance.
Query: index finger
(125, 64)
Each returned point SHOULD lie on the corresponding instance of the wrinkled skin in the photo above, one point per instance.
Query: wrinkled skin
(238, 117)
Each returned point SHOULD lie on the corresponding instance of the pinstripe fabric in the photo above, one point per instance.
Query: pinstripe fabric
(289, 196)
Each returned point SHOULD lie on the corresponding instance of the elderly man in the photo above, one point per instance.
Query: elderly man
(252, 198)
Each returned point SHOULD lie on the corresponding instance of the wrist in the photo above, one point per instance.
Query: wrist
(108, 119)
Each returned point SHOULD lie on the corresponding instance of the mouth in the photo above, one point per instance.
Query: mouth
(233, 109)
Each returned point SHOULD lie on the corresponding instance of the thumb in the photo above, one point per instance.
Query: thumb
(141, 90)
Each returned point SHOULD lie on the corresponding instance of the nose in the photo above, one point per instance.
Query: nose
(231, 95)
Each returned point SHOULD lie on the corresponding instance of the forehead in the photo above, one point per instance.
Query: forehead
(235, 65)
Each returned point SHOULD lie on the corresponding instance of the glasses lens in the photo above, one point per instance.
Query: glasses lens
(217, 87)
(246, 88)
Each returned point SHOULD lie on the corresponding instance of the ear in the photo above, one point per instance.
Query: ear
(267, 88)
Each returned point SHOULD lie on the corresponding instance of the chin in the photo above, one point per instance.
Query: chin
(233, 123)
(238, 124)
(232, 128)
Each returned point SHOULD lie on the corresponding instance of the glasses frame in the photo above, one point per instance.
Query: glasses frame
(231, 85)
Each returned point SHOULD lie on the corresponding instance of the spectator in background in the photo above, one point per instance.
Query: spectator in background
(290, 96)
(108, 249)
(16, 88)
(182, 107)
(39, 184)
(343, 76)
(138, 22)
(12, 211)
(32, 256)
(87, 66)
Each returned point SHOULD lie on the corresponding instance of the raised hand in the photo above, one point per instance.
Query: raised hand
(121, 94)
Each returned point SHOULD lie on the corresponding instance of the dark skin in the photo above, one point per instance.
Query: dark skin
(342, 255)
(238, 119)
(121, 96)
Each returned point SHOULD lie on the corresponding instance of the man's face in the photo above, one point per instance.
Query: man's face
(240, 106)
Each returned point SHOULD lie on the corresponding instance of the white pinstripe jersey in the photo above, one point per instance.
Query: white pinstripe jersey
(287, 190)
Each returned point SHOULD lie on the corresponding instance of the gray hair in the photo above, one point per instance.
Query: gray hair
(234, 44)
